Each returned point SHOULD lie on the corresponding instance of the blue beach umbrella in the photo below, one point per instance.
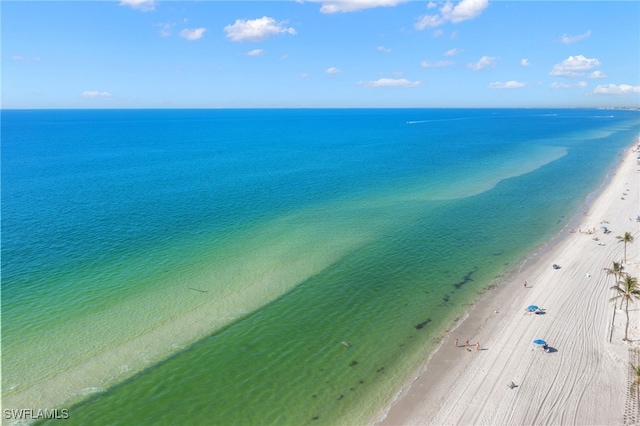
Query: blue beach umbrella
(532, 308)
(539, 342)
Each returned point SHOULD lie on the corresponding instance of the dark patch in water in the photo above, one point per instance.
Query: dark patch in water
(341, 396)
(380, 370)
(315, 417)
(361, 381)
(422, 324)
(445, 299)
(314, 396)
(353, 363)
(466, 279)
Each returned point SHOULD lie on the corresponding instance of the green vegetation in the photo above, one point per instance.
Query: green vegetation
(627, 290)
(626, 238)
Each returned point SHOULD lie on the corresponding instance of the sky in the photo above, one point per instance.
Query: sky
(320, 54)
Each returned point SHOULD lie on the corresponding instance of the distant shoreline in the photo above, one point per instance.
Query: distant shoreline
(322, 108)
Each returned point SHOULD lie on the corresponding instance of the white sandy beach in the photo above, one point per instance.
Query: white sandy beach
(586, 378)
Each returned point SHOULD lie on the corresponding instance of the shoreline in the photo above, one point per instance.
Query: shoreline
(451, 386)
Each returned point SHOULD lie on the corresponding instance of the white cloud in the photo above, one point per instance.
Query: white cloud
(613, 89)
(142, 5)
(572, 39)
(574, 66)
(439, 64)
(192, 34)
(332, 70)
(512, 84)
(429, 21)
(597, 74)
(22, 58)
(391, 82)
(336, 6)
(165, 29)
(525, 62)
(484, 62)
(255, 52)
(384, 49)
(256, 29)
(463, 11)
(453, 52)
(95, 94)
(578, 85)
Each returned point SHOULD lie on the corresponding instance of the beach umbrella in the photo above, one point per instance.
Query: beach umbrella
(539, 342)
(532, 308)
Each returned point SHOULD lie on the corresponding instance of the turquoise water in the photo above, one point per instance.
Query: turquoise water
(204, 266)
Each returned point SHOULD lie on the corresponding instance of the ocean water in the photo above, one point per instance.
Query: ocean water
(205, 266)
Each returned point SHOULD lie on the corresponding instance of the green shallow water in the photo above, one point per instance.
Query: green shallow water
(285, 364)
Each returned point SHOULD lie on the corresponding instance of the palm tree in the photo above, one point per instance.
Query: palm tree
(616, 271)
(627, 290)
(627, 238)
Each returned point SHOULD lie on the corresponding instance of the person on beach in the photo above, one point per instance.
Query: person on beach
(467, 343)
(477, 346)
(456, 343)
(525, 284)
